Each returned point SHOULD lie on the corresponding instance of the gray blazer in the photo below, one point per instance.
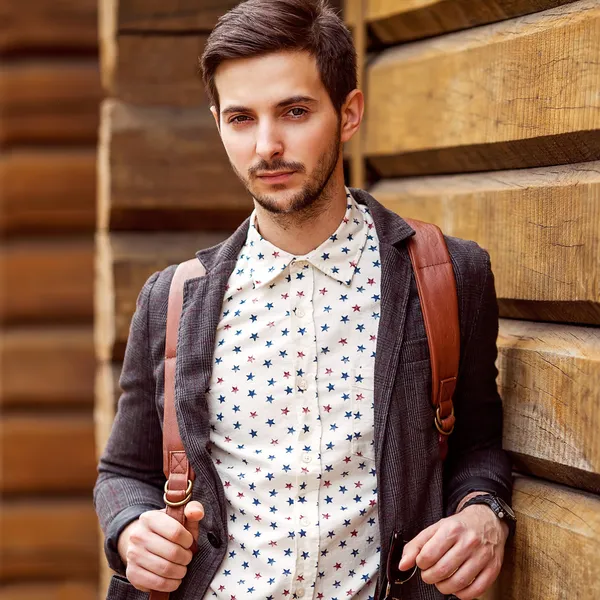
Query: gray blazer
(414, 488)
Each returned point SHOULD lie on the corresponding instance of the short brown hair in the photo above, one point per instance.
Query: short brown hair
(258, 27)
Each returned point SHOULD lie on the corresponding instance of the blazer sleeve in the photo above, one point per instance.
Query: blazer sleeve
(476, 460)
(130, 477)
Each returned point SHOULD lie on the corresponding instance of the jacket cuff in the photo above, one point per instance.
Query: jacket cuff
(477, 484)
(114, 530)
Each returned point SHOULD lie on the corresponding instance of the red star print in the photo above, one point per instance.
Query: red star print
(253, 414)
(356, 308)
(372, 503)
(354, 533)
(305, 409)
(326, 483)
(359, 396)
(300, 354)
(271, 324)
(300, 294)
(272, 543)
(284, 296)
(219, 380)
(347, 459)
(337, 566)
(323, 291)
(357, 484)
(257, 576)
(300, 578)
(285, 410)
(227, 483)
(234, 389)
(276, 254)
(274, 442)
(327, 408)
(251, 359)
(350, 593)
(228, 326)
(326, 516)
(371, 281)
(286, 374)
(221, 588)
(289, 486)
(227, 439)
(372, 338)
(353, 263)
(343, 341)
(240, 494)
(328, 371)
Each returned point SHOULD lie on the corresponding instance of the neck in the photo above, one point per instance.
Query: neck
(300, 233)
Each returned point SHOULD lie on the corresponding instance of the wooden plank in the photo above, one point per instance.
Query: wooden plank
(48, 538)
(45, 101)
(540, 226)
(123, 263)
(182, 15)
(107, 392)
(47, 281)
(65, 203)
(39, 24)
(554, 553)
(156, 70)
(550, 385)
(165, 168)
(50, 590)
(489, 98)
(62, 359)
(47, 453)
(393, 22)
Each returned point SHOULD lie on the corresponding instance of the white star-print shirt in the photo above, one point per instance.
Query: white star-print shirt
(291, 415)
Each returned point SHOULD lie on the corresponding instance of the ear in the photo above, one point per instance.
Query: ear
(213, 110)
(352, 114)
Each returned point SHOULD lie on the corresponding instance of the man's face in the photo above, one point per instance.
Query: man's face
(276, 116)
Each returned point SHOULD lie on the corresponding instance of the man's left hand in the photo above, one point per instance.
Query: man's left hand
(461, 554)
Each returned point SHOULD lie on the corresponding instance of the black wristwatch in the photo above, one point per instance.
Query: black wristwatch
(502, 510)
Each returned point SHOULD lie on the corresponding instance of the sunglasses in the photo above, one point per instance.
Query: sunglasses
(394, 575)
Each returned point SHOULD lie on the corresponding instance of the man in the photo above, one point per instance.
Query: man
(303, 385)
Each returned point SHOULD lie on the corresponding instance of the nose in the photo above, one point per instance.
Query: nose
(268, 141)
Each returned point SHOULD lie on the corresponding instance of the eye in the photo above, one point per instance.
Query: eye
(300, 109)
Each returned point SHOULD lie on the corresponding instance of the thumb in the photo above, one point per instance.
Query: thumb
(194, 513)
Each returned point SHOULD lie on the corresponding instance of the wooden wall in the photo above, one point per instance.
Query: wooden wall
(485, 119)
(49, 103)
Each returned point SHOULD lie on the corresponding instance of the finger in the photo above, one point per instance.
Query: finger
(164, 548)
(158, 565)
(462, 577)
(412, 548)
(145, 580)
(436, 549)
(194, 513)
(481, 583)
(167, 527)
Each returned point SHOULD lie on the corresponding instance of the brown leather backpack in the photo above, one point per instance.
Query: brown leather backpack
(437, 292)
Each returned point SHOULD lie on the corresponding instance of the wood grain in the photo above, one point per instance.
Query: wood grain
(47, 453)
(393, 22)
(48, 538)
(50, 590)
(493, 97)
(47, 367)
(39, 24)
(556, 546)
(107, 392)
(53, 100)
(540, 226)
(47, 281)
(549, 380)
(165, 168)
(65, 203)
(123, 263)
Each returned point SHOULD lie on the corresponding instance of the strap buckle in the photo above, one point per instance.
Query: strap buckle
(438, 421)
(188, 495)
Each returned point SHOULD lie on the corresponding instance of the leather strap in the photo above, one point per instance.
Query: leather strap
(176, 467)
(439, 303)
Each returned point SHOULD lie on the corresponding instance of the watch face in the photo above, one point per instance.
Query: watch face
(505, 507)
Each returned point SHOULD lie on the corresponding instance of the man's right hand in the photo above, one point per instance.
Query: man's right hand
(156, 548)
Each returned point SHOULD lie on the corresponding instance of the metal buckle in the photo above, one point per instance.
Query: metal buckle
(188, 495)
(438, 420)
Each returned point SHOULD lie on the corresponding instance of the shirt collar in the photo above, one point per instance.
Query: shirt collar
(337, 256)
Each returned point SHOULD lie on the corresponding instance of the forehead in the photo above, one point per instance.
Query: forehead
(262, 81)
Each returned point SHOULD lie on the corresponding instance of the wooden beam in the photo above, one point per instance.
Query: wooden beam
(65, 203)
(107, 392)
(489, 98)
(540, 227)
(165, 168)
(38, 24)
(62, 359)
(123, 263)
(393, 22)
(556, 545)
(49, 101)
(549, 381)
(48, 538)
(155, 70)
(50, 590)
(47, 281)
(47, 453)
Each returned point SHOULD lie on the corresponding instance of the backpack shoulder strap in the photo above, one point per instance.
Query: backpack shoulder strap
(177, 469)
(439, 303)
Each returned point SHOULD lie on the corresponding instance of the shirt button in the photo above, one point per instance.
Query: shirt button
(304, 521)
(300, 313)
(302, 384)
(306, 458)
(300, 592)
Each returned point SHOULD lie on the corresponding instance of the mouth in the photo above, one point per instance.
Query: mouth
(276, 177)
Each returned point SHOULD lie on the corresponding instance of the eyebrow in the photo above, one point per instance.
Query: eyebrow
(291, 100)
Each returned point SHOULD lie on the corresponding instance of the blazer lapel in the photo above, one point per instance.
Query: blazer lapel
(396, 275)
